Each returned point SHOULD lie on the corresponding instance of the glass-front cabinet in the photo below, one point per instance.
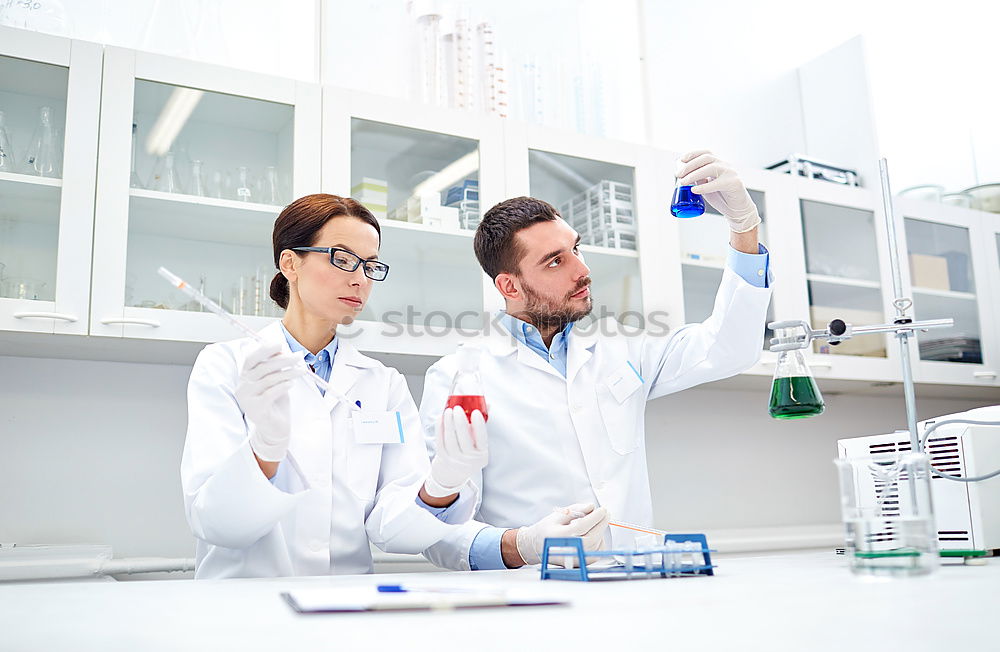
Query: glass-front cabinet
(847, 277)
(196, 163)
(427, 175)
(948, 264)
(49, 108)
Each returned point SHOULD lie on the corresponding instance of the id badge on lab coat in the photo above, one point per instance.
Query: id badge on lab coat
(624, 381)
(378, 427)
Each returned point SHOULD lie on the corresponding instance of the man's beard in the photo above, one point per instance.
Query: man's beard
(543, 313)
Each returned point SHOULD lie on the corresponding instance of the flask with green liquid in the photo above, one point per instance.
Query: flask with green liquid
(794, 394)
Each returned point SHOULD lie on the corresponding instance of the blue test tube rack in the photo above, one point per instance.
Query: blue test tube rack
(681, 554)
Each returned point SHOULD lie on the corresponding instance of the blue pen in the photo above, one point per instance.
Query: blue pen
(358, 403)
(391, 588)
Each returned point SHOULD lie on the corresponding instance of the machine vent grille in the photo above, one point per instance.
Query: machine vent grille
(953, 535)
(943, 451)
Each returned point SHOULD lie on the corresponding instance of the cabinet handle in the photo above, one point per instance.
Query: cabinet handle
(45, 315)
(136, 322)
(984, 374)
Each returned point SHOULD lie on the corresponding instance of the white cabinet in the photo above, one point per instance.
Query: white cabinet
(47, 180)
(949, 267)
(427, 174)
(195, 163)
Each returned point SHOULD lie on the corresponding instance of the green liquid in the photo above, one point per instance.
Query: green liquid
(795, 398)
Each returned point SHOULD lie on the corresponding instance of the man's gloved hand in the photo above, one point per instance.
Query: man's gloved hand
(719, 184)
(262, 392)
(462, 450)
(563, 522)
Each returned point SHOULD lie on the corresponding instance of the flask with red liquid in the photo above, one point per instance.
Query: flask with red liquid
(467, 388)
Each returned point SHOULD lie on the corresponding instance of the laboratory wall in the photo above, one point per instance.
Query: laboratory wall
(92, 452)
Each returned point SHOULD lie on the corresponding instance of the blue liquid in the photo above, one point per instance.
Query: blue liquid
(685, 203)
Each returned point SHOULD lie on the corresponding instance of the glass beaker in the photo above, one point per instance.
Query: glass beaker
(6, 150)
(197, 182)
(888, 514)
(467, 387)
(270, 193)
(42, 157)
(794, 394)
(685, 203)
(243, 192)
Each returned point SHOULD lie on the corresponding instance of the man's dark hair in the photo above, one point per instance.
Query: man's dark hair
(496, 247)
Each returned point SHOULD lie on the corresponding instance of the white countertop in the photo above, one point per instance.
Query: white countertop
(797, 601)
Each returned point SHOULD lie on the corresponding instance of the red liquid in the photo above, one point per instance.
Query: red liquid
(469, 404)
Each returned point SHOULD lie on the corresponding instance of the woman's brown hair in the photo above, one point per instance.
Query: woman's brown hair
(298, 225)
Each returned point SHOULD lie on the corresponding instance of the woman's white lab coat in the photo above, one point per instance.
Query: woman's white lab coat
(330, 495)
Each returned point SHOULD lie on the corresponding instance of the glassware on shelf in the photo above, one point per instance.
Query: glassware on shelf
(24, 288)
(214, 185)
(270, 193)
(165, 176)
(43, 157)
(243, 192)
(133, 180)
(197, 182)
(6, 151)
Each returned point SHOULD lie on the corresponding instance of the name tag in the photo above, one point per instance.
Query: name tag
(378, 428)
(624, 382)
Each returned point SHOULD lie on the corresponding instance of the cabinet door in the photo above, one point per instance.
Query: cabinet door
(607, 192)
(427, 175)
(848, 277)
(948, 272)
(49, 101)
(196, 163)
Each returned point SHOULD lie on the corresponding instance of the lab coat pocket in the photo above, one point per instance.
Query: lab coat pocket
(620, 419)
(364, 463)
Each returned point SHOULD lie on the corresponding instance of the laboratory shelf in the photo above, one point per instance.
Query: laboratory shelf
(416, 227)
(30, 199)
(704, 264)
(200, 218)
(609, 251)
(945, 294)
(840, 280)
(27, 179)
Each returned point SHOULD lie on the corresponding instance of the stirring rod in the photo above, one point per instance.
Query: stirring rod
(219, 311)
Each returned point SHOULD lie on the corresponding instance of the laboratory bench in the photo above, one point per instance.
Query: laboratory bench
(793, 601)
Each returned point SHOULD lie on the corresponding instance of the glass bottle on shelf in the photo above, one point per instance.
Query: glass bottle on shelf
(270, 193)
(165, 178)
(197, 183)
(243, 192)
(42, 157)
(133, 180)
(6, 151)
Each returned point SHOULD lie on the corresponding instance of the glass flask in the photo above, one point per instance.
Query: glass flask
(270, 193)
(165, 178)
(6, 151)
(794, 394)
(887, 509)
(467, 388)
(42, 158)
(197, 183)
(243, 184)
(686, 203)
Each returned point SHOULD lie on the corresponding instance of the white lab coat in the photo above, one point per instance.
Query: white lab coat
(330, 496)
(547, 432)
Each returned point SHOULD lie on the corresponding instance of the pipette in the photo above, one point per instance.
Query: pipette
(622, 524)
(219, 311)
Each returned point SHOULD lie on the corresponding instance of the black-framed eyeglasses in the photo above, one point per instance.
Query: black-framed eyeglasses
(349, 261)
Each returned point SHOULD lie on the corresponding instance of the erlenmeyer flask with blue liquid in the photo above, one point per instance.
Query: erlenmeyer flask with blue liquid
(684, 202)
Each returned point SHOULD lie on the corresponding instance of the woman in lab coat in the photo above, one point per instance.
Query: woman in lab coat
(279, 478)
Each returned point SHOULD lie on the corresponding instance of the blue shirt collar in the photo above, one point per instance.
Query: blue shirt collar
(525, 332)
(326, 353)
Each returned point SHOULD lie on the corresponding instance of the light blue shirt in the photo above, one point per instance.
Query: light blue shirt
(752, 268)
(322, 364)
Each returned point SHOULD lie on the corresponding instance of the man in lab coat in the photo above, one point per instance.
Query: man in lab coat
(566, 403)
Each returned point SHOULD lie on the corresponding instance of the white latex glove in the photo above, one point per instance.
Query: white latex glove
(721, 187)
(563, 522)
(262, 392)
(462, 450)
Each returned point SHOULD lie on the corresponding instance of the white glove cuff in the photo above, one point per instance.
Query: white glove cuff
(526, 549)
(266, 451)
(743, 224)
(438, 490)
